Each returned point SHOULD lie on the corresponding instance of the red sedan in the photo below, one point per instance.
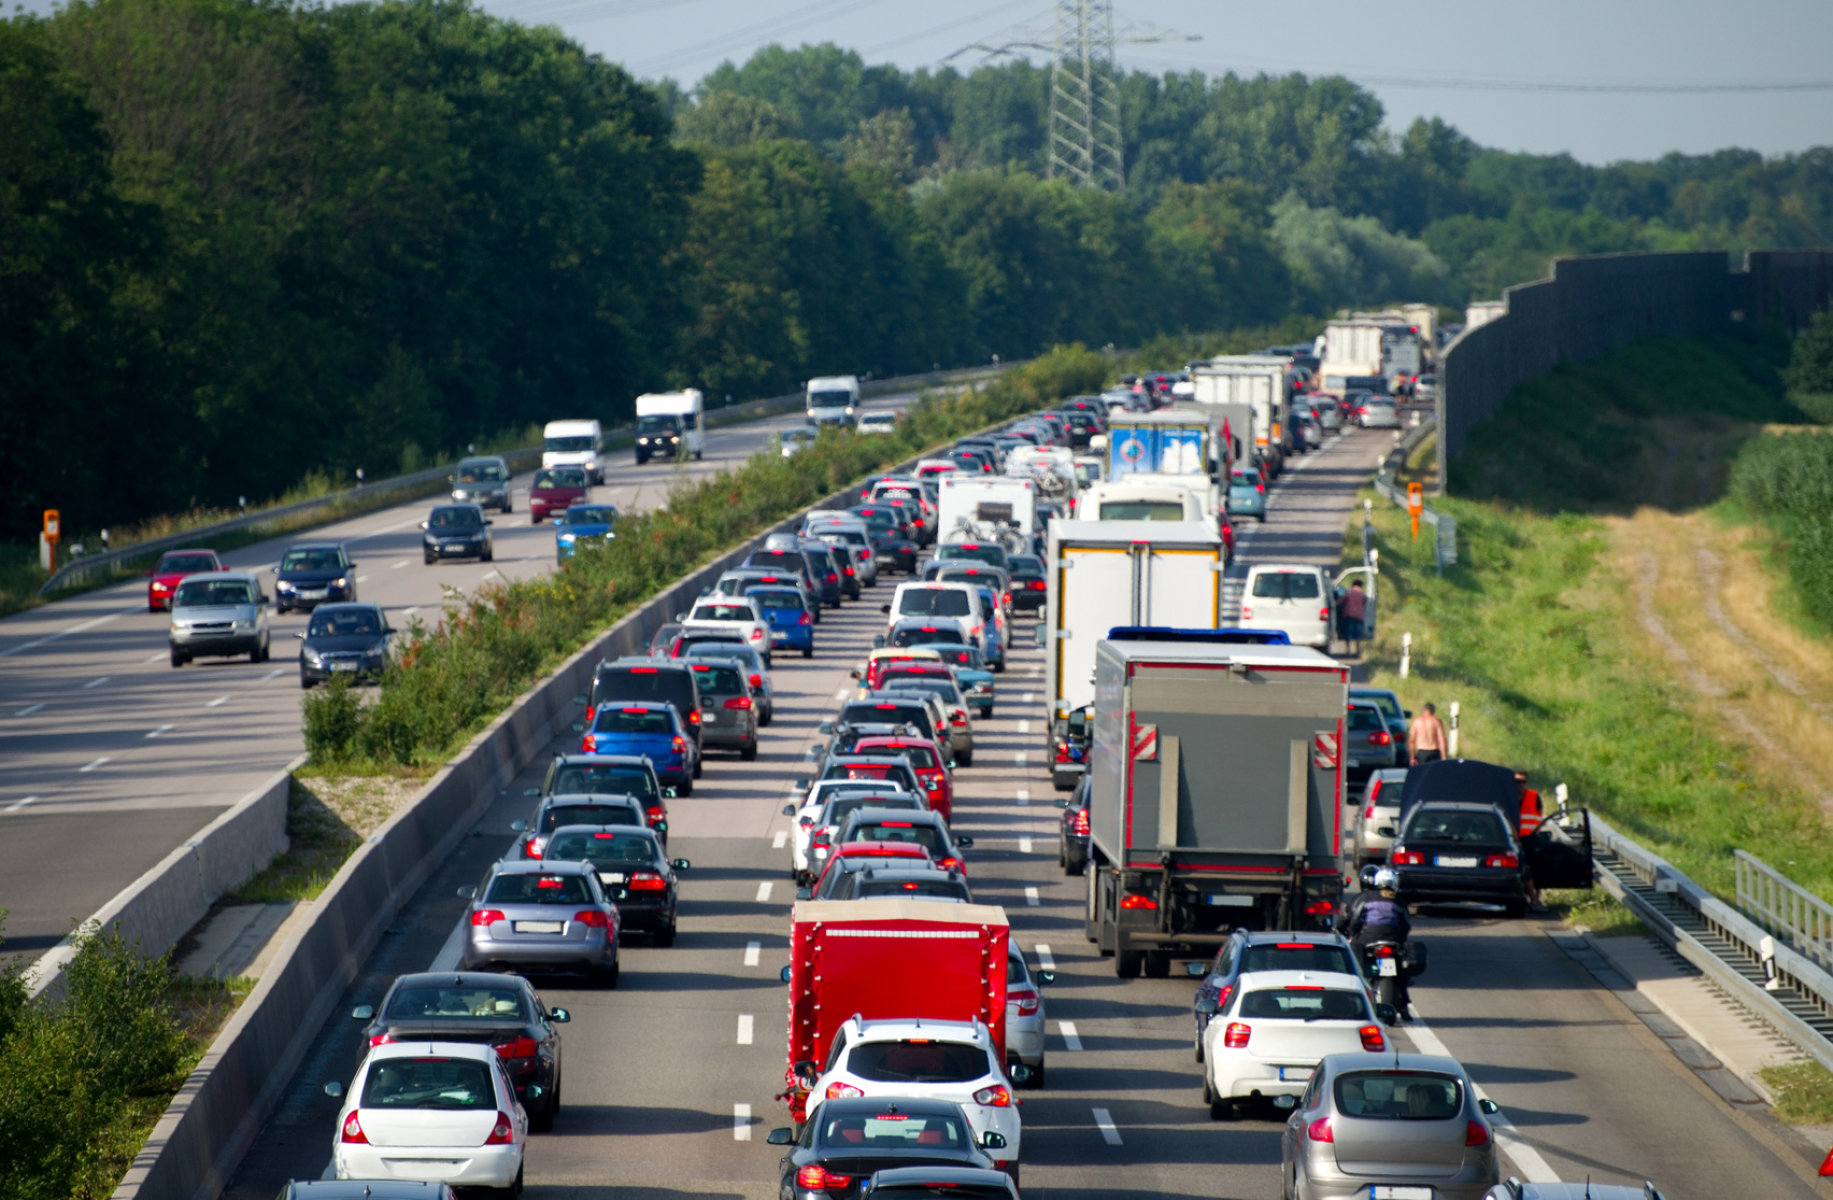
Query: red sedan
(173, 566)
(554, 490)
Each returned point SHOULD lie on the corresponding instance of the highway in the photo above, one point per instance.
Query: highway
(664, 1097)
(113, 758)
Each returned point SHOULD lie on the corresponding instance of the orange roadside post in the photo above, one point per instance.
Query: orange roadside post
(1416, 504)
(51, 535)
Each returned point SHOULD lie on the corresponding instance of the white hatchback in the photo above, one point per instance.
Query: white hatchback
(1275, 1028)
(431, 1111)
(731, 614)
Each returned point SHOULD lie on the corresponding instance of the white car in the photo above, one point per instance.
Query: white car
(1025, 1013)
(793, 441)
(431, 1111)
(1271, 1032)
(1292, 598)
(731, 614)
(831, 802)
(877, 422)
(958, 602)
(955, 1060)
(1378, 413)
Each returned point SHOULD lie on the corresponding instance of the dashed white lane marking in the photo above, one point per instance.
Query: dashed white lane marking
(843, 693)
(780, 840)
(16, 805)
(1020, 758)
(741, 1122)
(77, 628)
(273, 674)
(1027, 697)
(763, 891)
(397, 566)
(96, 683)
(1105, 1120)
(1024, 845)
(1024, 796)
(26, 712)
(1071, 1039)
(744, 1029)
(752, 950)
(1044, 958)
(218, 702)
(408, 612)
(362, 579)
(84, 770)
(161, 730)
(447, 958)
(153, 658)
(1516, 1146)
(497, 573)
(1031, 897)
(1024, 727)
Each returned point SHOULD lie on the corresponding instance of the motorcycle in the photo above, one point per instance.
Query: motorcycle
(1392, 965)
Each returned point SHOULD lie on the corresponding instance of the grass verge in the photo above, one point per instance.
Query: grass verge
(1596, 911)
(1803, 1092)
(327, 818)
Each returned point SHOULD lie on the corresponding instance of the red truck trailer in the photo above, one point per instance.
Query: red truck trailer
(885, 959)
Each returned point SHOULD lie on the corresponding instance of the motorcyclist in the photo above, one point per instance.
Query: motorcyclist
(1376, 913)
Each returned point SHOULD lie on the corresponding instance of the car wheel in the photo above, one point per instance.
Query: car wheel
(808, 652)
(515, 1189)
(1012, 1171)
(986, 714)
(1078, 867)
(965, 758)
(543, 1121)
(1197, 1048)
(1000, 666)
(666, 937)
(426, 557)
(1221, 1108)
(1158, 965)
(178, 660)
(1128, 962)
(488, 556)
(1037, 1075)
(748, 753)
(699, 767)
(509, 506)
(766, 716)
(607, 976)
(1515, 909)
(305, 682)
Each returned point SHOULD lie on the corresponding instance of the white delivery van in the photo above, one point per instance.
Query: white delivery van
(669, 424)
(987, 508)
(574, 444)
(1296, 599)
(833, 400)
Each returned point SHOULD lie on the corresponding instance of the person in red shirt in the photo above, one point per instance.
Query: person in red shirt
(1352, 610)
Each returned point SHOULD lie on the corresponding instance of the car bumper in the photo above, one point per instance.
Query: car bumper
(462, 1166)
(1065, 775)
(802, 637)
(319, 672)
(455, 549)
(1323, 1180)
(1241, 1078)
(1025, 1040)
(728, 736)
(960, 739)
(1424, 885)
(530, 953)
(1029, 602)
(218, 646)
(640, 917)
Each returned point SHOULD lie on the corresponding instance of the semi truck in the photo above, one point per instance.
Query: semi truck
(833, 400)
(887, 959)
(669, 425)
(1215, 794)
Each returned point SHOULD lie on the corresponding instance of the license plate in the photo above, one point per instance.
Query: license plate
(1296, 1074)
(343, 666)
(1228, 900)
(538, 926)
(312, 594)
(1455, 860)
(1389, 1191)
(1387, 966)
(610, 877)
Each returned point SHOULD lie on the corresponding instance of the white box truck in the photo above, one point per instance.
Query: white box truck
(1350, 348)
(1258, 382)
(669, 424)
(987, 508)
(574, 444)
(833, 400)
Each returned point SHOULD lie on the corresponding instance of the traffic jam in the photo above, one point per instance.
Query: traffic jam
(1228, 806)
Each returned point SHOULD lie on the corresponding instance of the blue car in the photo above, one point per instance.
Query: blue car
(792, 622)
(1247, 496)
(582, 523)
(996, 649)
(653, 730)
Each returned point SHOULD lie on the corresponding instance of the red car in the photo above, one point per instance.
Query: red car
(173, 566)
(925, 759)
(554, 490)
(898, 850)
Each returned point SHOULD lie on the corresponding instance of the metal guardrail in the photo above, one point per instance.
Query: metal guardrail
(1785, 908)
(1444, 525)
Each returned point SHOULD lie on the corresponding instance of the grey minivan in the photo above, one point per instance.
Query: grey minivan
(222, 614)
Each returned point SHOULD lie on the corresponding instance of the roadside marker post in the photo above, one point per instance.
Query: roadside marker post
(1451, 734)
(1416, 504)
(51, 537)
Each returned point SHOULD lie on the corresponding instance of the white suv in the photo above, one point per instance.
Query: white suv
(933, 1060)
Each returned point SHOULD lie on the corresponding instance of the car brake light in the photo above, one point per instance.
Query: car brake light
(486, 916)
(1502, 860)
(504, 1134)
(757, 681)
(590, 744)
(522, 1047)
(1319, 908)
(1319, 1130)
(656, 814)
(1247, 613)
(1381, 737)
(1406, 858)
(997, 1096)
(380, 1039)
(353, 1131)
(1026, 1001)
(1371, 1038)
(679, 744)
(693, 716)
(1476, 1134)
(757, 635)
(591, 918)
(648, 881)
(1080, 824)
(814, 1178)
(836, 1090)
(1236, 1035)
(804, 619)
(739, 702)
(1138, 901)
(951, 863)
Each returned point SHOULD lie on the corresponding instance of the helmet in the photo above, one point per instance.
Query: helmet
(1386, 880)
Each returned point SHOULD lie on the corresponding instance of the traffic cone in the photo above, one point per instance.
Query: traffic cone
(1826, 1164)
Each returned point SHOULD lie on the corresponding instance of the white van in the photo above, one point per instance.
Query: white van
(957, 602)
(574, 444)
(1129, 499)
(669, 424)
(1292, 598)
(833, 400)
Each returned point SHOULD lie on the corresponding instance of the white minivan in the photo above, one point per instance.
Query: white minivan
(957, 602)
(574, 444)
(1292, 598)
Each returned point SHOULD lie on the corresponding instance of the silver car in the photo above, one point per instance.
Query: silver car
(219, 614)
(484, 480)
(530, 915)
(1025, 1013)
(1376, 818)
(1403, 1126)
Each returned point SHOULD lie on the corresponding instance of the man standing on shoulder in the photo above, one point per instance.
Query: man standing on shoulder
(1426, 737)
(1352, 609)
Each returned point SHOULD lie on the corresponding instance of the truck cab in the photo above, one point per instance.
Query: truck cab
(574, 444)
(668, 425)
(833, 400)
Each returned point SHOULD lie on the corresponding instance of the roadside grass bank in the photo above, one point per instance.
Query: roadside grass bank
(327, 818)
(454, 678)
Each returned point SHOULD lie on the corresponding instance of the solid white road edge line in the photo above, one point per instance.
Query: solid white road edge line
(218, 702)
(26, 712)
(77, 628)
(1533, 1167)
(1105, 1120)
(1071, 1039)
(16, 805)
(752, 950)
(85, 769)
(161, 730)
(741, 1122)
(744, 1029)
(96, 683)
(780, 840)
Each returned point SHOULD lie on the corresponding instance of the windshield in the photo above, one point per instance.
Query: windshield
(829, 399)
(213, 593)
(1454, 825)
(770, 600)
(927, 635)
(1286, 585)
(633, 720)
(1297, 956)
(917, 1062)
(1141, 510)
(452, 1083)
(612, 779)
(658, 424)
(934, 602)
(723, 612)
(721, 681)
(311, 560)
(994, 556)
(185, 564)
(605, 847)
(476, 1002)
(345, 622)
(485, 473)
(1399, 1096)
(532, 888)
(587, 514)
(456, 517)
(570, 445)
(1363, 718)
(560, 478)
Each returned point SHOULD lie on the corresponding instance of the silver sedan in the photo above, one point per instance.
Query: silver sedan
(1402, 1126)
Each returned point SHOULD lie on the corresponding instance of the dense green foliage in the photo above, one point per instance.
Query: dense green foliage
(1787, 479)
(487, 649)
(1809, 374)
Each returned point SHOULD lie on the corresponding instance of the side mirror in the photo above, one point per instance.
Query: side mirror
(789, 810)
(1019, 1073)
(335, 1090)
(1061, 803)
(580, 699)
(680, 864)
(884, 608)
(825, 727)
(467, 892)
(669, 793)
(1045, 978)
(780, 1137)
(276, 570)
(878, 641)
(803, 894)
(997, 1141)
(300, 635)
(1387, 1014)
(363, 1012)
(423, 524)
(806, 1073)
(1284, 1103)
(148, 571)
(1207, 1007)
(518, 827)
(1406, 712)
(801, 784)
(488, 521)
(1196, 970)
(1488, 1107)
(559, 1016)
(536, 1091)
(680, 616)
(531, 790)
(966, 843)
(1040, 635)
(266, 599)
(784, 974)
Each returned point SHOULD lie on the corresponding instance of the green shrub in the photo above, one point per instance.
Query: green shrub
(1787, 480)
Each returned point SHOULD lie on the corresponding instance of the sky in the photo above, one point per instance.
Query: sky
(1421, 60)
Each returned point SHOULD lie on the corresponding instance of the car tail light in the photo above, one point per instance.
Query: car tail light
(648, 881)
(380, 1039)
(1026, 1001)
(1406, 858)
(1319, 908)
(1222, 997)
(656, 814)
(757, 681)
(535, 846)
(959, 717)
(1038, 585)
(951, 863)
(739, 702)
(1323, 614)
(757, 635)
(1381, 737)
(1260, 487)
(693, 716)
(1138, 901)
(1247, 613)
(997, 1096)
(522, 1047)
(848, 570)
(1476, 1134)
(1080, 824)
(1372, 1039)
(1236, 1036)
(814, 1178)
(353, 1131)
(591, 918)
(504, 1132)
(805, 619)
(836, 1090)
(679, 744)
(1502, 860)
(1320, 1131)
(486, 916)
(590, 744)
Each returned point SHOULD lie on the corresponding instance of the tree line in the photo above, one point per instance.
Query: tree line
(246, 240)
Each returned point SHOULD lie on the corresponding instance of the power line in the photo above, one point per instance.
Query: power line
(763, 30)
(1465, 83)
(948, 26)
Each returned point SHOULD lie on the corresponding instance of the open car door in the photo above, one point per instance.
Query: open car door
(1559, 852)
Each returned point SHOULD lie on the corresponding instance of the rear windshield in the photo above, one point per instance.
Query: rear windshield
(1141, 510)
(737, 650)
(876, 519)
(1452, 825)
(532, 888)
(345, 622)
(1387, 704)
(184, 564)
(928, 636)
(917, 683)
(960, 656)
(895, 774)
(603, 847)
(611, 779)
(1362, 720)
(898, 1131)
(787, 561)
(772, 600)
(637, 684)
(722, 680)
(457, 1083)
(206, 593)
(910, 832)
(589, 814)
(1297, 956)
(921, 757)
(913, 889)
(1026, 568)
(560, 478)
(851, 537)
(917, 1062)
(722, 612)
(989, 554)
(1015, 970)
(633, 720)
(838, 810)
(1304, 1004)
(1286, 585)
(869, 713)
(1399, 1095)
(460, 1002)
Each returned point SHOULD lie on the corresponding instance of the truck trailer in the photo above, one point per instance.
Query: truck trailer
(1257, 381)
(1215, 796)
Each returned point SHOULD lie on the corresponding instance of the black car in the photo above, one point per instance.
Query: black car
(940, 1183)
(1447, 852)
(1030, 585)
(846, 1140)
(311, 574)
(634, 869)
(479, 1006)
(1083, 427)
(456, 531)
(888, 537)
(1279, 950)
(1072, 831)
(344, 639)
(646, 681)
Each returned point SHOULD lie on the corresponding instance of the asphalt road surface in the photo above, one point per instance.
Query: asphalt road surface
(110, 758)
(663, 1098)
